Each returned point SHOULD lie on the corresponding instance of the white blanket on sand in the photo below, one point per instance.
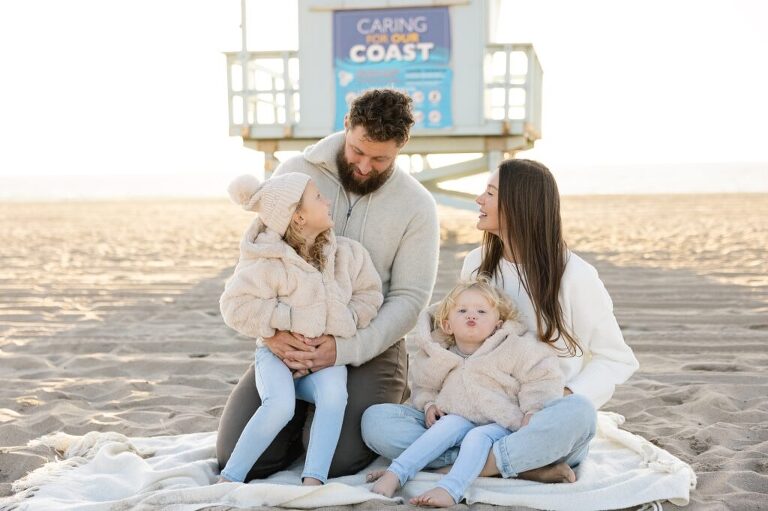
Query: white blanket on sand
(108, 471)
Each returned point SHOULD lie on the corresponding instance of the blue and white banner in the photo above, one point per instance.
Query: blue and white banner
(404, 49)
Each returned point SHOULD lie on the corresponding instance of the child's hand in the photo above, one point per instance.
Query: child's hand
(526, 419)
(433, 414)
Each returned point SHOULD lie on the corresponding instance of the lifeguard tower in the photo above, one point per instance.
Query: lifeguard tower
(470, 95)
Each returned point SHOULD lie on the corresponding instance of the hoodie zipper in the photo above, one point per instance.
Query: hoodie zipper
(349, 210)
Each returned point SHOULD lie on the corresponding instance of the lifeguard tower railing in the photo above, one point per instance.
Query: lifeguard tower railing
(265, 110)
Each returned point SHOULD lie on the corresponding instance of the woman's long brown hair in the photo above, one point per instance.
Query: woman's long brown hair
(530, 225)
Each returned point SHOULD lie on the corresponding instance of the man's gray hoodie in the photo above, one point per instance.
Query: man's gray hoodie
(398, 225)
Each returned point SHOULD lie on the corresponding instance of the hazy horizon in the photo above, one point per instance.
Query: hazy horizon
(618, 179)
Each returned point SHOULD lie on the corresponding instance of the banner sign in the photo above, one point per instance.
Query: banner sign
(404, 49)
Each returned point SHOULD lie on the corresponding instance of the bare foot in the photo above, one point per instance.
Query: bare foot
(556, 473)
(386, 484)
(311, 481)
(436, 497)
(374, 476)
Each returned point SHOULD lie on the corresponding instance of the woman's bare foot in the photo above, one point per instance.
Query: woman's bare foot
(555, 473)
(436, 497)
(311, 481)
(386, 484)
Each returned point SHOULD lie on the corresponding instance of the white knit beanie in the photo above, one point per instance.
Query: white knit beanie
(275, 199)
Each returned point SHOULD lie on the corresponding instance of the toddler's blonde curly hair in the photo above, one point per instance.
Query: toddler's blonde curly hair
(498, 299)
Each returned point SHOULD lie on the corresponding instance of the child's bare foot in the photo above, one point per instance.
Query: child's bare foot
(311, 481)
(374, 476)
(556, 473)
(436, 497)
(386, 484)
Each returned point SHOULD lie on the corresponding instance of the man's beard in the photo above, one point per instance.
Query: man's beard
(350, 184)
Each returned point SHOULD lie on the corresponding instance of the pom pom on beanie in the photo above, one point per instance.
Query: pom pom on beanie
(275, 199)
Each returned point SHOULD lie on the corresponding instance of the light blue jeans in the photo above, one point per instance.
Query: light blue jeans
(278, 391)
(450, 431)
(559, 432)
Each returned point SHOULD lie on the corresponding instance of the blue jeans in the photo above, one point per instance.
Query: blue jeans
(559, 432)
(450, 431)
(278, 390)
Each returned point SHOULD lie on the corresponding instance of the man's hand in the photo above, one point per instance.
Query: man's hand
(432, 415)
(283, 342)
(321, 354)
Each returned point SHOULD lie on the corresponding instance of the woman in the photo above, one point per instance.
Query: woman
(565, 303)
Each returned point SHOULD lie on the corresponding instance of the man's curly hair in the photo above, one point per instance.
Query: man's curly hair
(385, 114)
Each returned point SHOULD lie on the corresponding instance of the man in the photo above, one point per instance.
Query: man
(395, 218)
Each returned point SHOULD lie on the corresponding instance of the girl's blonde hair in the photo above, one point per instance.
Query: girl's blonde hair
(495, 296)
(314, 254)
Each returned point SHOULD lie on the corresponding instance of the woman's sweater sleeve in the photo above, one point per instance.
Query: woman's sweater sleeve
(250, 302)
(366, 287)
(609, 360)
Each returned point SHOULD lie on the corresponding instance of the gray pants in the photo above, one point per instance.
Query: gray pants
(381, 380)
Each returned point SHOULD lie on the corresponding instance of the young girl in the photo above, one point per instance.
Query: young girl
(478, 376)
(295, 275)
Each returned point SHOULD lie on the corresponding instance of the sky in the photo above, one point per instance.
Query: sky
(110, 88)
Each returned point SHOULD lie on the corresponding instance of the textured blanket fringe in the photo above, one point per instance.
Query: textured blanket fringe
(46, 474)
(654, 457)
(651, 506)
(651, 459)
(76, 451)
(86, 446)
(13, 502)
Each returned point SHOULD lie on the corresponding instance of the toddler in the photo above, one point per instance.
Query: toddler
(478, 376)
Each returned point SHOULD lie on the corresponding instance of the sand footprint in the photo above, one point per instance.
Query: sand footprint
(713, 366)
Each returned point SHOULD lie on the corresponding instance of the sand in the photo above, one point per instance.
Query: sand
(109, 321)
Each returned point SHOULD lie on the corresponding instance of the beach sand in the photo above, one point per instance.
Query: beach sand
(109, 321)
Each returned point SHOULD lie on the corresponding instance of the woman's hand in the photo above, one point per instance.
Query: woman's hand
(433, 414)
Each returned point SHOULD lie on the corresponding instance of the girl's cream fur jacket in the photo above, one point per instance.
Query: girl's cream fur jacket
(273, 288)
(511, 374)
